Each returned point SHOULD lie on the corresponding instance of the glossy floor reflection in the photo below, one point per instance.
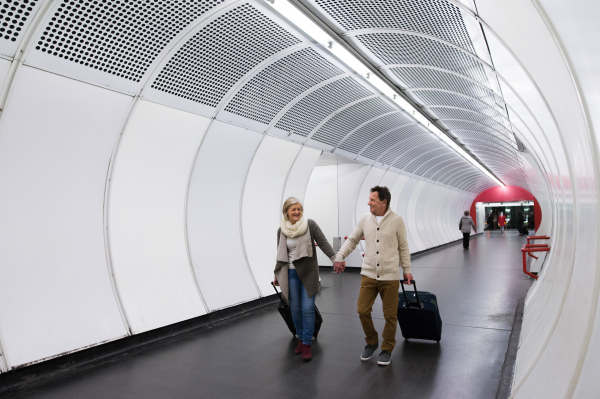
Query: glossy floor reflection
(252, 356)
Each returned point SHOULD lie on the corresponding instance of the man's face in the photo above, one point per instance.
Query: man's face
(377, 206)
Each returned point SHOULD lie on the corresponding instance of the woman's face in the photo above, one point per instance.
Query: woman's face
(294, 213)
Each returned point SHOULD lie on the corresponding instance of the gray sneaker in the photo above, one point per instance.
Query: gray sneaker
(385, 358)
(368, 352)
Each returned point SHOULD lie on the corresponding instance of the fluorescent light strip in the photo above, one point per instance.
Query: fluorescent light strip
(313, 30)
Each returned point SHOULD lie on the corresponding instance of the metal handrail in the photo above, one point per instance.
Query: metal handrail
(528, 249)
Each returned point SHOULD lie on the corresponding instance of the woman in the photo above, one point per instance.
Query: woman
(297, 269)
(501, 221)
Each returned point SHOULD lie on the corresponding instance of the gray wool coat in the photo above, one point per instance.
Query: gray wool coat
(307, 266)
(465, 224)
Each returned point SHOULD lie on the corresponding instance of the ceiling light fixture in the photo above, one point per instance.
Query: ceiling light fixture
(308, 26)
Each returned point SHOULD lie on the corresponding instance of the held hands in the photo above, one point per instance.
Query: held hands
(408, 278)
(339, 267)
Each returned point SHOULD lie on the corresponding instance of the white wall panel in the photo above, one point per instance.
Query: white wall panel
(437, 215)
(431, 215)
(389, 180)
(443, 215)
(147, 216)
(449, 217)
(55, 147)
(420, 218)
(412, 216)
(349, 178)
(4, 68)
(297, 180)
(455, 217)
(557, 328)
(408, 187)
(321, 204)
(213, 216)
(261, 206)
(397, 191)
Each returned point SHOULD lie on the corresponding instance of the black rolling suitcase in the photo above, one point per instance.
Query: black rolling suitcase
(418, 315)
(286, 313)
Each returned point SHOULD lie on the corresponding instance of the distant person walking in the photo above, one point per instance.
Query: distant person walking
(501, 221)
(519, 222)
(386, 249)
(465, 224)
(489, 221)
(297, 269)
(531, 222)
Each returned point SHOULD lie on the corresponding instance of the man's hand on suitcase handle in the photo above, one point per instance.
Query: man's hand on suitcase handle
(339, 267)
(408, 278)
(275, 282)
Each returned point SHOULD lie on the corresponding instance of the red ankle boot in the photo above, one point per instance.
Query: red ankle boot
(307, 353)
(299, 349)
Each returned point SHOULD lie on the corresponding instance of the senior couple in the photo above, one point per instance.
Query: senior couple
(297, 269)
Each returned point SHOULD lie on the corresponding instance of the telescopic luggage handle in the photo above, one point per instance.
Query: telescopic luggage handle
(404, 293)
(279, 295)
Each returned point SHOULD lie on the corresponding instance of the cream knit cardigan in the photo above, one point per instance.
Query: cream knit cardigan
(386, 247)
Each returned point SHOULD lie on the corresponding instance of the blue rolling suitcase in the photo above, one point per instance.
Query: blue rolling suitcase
(418, 315)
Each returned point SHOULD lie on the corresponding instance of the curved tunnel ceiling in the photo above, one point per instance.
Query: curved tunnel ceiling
(242, 63)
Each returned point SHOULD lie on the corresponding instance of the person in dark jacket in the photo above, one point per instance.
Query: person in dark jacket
(465, 224)
(297, 269)
(490, 221)
(519, 222)
(531, 223)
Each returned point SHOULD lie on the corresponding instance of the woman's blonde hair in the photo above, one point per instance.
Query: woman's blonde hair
(288, 203)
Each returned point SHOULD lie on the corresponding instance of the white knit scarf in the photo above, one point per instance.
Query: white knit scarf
(294, 230)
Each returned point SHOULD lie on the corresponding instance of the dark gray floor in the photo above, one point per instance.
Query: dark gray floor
(252, 356)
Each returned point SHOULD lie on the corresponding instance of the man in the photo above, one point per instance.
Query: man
(490, 225)
(386, 250)
(465, 224)
(519, 222)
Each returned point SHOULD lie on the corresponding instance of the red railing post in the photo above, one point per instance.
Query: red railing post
(528, 249)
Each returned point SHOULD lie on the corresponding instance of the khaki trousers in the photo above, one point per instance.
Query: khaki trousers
(388, 290)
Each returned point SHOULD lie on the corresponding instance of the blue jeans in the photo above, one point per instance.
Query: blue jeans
(303, 308)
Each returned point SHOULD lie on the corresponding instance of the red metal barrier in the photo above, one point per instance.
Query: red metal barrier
(536, 238)
(528, 249)
(528, 245)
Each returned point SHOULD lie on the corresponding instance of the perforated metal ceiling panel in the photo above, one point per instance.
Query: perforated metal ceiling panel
(345, 121)
(390, 147)
(407, 40)
(15, 19)
(383, 143)
(436, 156)
(443, 98)
(453, 113)
(433, 17)
(276, 85)
(304, 116)
(365, 134)
(409, 156)
(397, 48)
(216, 58)
(416, 77)
(111, 42)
